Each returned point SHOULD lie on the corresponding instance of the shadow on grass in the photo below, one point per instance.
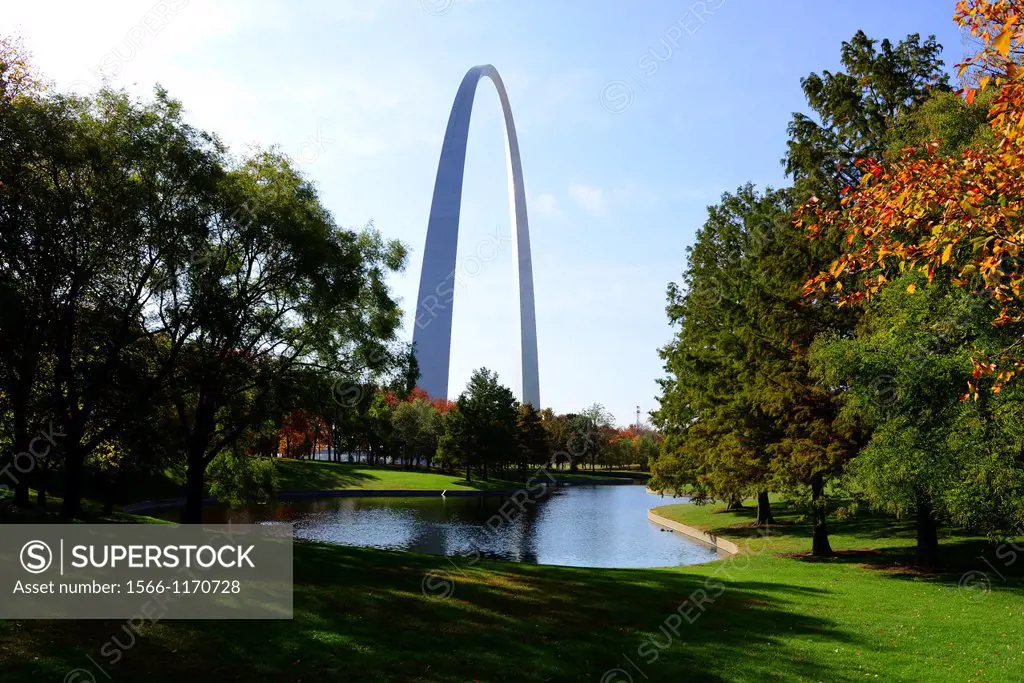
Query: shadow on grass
(312, 475)
(308, 475)
(969, 563)
(373, 616)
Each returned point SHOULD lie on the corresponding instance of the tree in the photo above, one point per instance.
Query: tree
(149, 281)
(558, 434)
(278, 287)
(741, 410)
(489, 411)
(714, 405)
(856, 108)
(24, 200)
(952, 216)
(531, 437)
(97, 194)
(931, 253)
(453, 447)
(593, 429)
(417, 427)
(930, 455)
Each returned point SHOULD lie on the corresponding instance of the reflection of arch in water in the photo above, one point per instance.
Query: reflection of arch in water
(432, 336)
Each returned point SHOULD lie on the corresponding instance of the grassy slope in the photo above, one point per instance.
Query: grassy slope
(361, 614)
(310, 475)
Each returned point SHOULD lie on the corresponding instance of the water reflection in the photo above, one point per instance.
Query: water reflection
(579, 526)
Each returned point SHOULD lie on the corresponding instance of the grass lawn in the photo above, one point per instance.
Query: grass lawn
(363, 615)
(312, 475)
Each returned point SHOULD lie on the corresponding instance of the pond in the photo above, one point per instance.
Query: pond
(576, 526)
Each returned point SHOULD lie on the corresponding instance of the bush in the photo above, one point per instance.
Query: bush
(239, 479)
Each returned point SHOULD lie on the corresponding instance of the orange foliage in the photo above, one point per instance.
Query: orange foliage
(961, 216)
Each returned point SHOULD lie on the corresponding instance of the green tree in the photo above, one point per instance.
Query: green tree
(279, 286)
(453, 447)
(853, 113)
(592, 432)
(854, 109)
(489, 411)
(718, 423)
(98, 195)
(417, 427)
(947, 118)
(531, 437)
(930, 455)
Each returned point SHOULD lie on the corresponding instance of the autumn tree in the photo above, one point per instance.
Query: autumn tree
(741, 409)
(941, 223)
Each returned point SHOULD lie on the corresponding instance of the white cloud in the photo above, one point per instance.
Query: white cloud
(546, 205)
(591, 199)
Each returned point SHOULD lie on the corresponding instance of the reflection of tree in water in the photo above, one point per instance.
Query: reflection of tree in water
(579, 526)
(429, 537)
(508, 532)
(527, 529)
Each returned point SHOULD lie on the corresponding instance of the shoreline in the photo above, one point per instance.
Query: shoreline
(166, 503)
(717, 542)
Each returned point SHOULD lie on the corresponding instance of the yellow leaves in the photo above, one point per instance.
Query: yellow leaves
(912, 214)
(1002, 42)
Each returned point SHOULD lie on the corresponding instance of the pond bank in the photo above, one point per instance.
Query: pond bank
(717, 541)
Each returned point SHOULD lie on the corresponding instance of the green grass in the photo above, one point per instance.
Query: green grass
(792, 532)
(362, 615)
(311, 475)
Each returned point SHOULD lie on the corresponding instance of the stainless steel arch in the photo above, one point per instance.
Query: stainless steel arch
(433, 332)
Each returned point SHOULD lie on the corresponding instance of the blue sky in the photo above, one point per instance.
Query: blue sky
(632, 118)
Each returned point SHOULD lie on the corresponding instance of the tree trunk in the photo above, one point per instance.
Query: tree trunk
(927, 555)
(74, 472)
(21, 443)
(108, 493)
(194, 485)
(820, 547)
(764, 510)
(469, 475)
(734, 505)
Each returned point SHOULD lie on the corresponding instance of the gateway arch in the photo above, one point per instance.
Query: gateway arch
(432, 335)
